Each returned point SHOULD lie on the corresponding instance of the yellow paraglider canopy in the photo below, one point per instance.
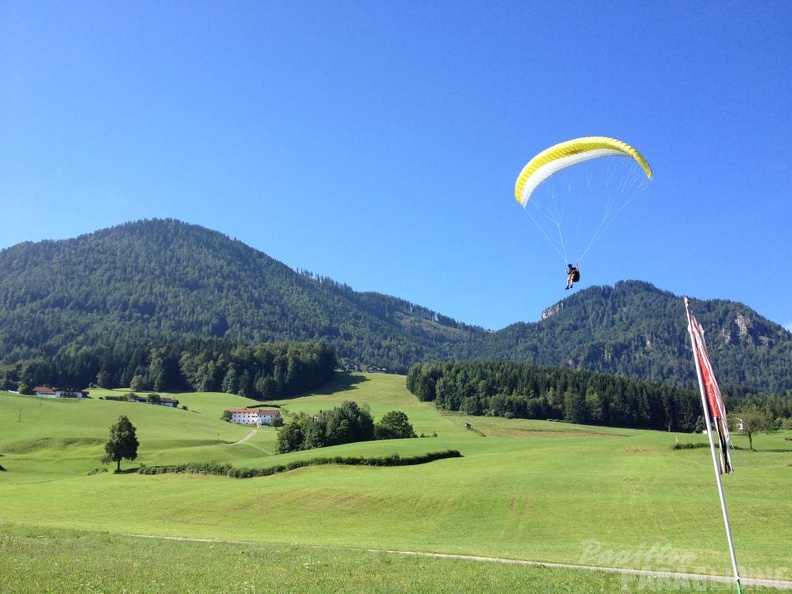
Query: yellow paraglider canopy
(565, 154)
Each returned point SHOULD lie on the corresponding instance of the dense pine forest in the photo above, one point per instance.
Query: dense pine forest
(258, 371)
(170, 305)
(519, 390)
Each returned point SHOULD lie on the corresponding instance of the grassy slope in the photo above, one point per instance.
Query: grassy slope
(524, 489)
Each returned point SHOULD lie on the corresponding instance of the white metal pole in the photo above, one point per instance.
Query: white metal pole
(715, 462)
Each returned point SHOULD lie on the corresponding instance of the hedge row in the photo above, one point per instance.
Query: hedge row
(230, 471)
(689, 446)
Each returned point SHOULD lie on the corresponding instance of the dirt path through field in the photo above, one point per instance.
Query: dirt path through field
(244, 439)
(676, 578)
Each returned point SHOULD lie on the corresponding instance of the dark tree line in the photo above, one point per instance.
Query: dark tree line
(257, 371)
(526, 391)
(261, 371)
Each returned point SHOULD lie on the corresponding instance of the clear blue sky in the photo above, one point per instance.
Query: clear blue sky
(377, 143)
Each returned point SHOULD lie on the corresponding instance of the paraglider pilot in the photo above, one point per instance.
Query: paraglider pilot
(573, 276)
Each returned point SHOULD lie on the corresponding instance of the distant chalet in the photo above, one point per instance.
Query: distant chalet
(49, 392)
(253, 416)
(160, 400)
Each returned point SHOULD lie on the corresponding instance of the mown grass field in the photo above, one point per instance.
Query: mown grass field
(531, 490)
(52, 560)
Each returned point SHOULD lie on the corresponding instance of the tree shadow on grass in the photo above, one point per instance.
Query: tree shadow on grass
(127, 471)
(341, 382)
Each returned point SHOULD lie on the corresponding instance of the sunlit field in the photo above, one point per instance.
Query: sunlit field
(524, 490)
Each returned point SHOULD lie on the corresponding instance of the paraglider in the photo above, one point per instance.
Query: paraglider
(573, 275)
(573, 192)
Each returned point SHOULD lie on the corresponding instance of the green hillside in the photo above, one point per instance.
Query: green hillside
(533, 490)
(98, 300)
(108, 306)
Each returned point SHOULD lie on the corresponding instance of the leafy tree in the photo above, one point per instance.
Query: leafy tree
(347, 423)
(393, 425)
(104, 379)
(291, 437)
(754, 419)
(139, 382)
(231, 381)
(594, 405)
(154, 399)
(123, 443)
(164, 373)
(226, 416)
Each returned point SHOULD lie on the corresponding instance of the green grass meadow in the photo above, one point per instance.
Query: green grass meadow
(523, 490)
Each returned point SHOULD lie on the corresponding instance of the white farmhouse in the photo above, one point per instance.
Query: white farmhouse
(253, 416)
(49, 392)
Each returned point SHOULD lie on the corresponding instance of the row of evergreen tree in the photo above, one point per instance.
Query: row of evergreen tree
(526, 391)
(259, 371)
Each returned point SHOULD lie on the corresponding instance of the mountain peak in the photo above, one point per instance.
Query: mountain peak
(122, 291)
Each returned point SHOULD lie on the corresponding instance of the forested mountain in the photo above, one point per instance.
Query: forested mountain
(67, 307)
(116, 294)
(639, 331)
